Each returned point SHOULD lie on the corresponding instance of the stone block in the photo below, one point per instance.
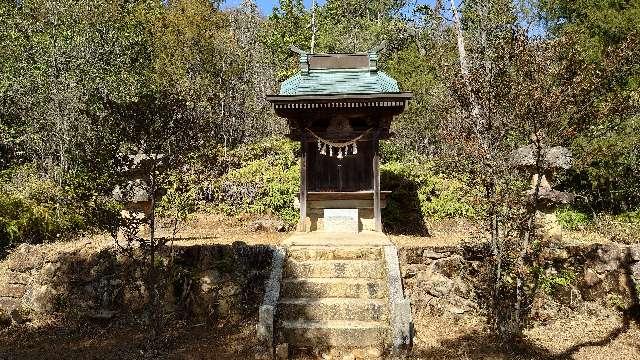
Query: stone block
(282, 351)
(24, 258)
(12, 290)
(634, 252)
(9, 304)
(341, 287)
(17, 278)
(43, 298)
(265, 325)
(449, 267)
(635, 272)
(335, 269)
(334, 333)
(341, 220)
(430, 254)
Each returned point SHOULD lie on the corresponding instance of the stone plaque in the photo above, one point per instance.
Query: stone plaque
(341, 220)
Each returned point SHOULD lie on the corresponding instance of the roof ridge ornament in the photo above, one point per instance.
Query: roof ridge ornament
(304, 58)
(373, 55)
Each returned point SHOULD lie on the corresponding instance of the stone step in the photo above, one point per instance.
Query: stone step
(329, 287)
(335, 269)
(333, 309)
(343, 333)
(303, 253)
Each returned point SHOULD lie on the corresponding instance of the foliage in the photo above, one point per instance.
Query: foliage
(418, 191)
(552, 281)
(181, 198)
(264, 178)
(572, 219)
(36, 210)
(604, 53)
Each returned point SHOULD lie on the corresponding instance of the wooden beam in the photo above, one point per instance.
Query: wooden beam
(302, 226)
(377, 214)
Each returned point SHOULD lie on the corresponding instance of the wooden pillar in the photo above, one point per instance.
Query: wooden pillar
(302, 226)
(377, 214)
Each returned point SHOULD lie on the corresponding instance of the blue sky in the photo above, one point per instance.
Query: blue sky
(267, 5)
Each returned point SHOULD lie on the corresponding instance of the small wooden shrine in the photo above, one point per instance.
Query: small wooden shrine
(339, 106)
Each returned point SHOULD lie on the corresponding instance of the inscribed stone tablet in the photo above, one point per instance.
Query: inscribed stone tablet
(341, 220)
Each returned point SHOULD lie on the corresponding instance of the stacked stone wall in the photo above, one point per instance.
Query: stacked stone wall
(455, 279)
(205, 282)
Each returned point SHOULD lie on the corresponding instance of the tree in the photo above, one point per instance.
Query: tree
(506, 96)
(601, 39)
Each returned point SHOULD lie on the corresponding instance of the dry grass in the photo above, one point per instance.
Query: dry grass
(121, 340)
(449, 232)
(601, 335)
(206, 228)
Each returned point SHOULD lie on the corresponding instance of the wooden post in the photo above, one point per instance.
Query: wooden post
(377, 215)
(303, 187)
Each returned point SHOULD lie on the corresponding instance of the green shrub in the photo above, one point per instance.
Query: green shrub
(550, 283)
(418, 193)
(34, 209)
(571, 219)
(264, 179)
(629, 217)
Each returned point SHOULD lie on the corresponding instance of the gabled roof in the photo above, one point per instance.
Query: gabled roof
(328, 74)
(342, 81)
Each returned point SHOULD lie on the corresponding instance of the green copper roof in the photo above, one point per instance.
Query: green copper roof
(339, 74)
(339, 81)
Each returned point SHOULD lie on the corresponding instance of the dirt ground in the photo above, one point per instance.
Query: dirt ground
(597, 337)
(60, 339)
(605, 336)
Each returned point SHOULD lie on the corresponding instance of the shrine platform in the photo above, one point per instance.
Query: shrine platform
(321, 238)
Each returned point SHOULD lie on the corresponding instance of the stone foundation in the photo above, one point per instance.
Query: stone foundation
(206, 282)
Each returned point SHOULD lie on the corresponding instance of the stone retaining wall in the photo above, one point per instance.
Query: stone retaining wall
(228, 281)
(205, 282)
(453, 278)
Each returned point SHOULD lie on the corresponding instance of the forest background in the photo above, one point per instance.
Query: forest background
(82, 83)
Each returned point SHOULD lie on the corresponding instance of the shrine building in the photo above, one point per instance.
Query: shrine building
(339, 106)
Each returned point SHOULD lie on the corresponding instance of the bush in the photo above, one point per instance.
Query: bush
(571, 219)
(264, 179)
(623, 228)
(419, 193)
(34, 209)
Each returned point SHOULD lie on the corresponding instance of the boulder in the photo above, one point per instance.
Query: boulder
(12, 290)
(591, 278)
(5, 319)
(635, 273)
(24, 258)
(20, 316)
(268, 225)
(634, 252)
(43, 298)
(8, 304)
(439, 286)
(449, 267)
(430, 254)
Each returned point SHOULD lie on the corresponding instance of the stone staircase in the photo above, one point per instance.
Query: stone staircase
(334, 298)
